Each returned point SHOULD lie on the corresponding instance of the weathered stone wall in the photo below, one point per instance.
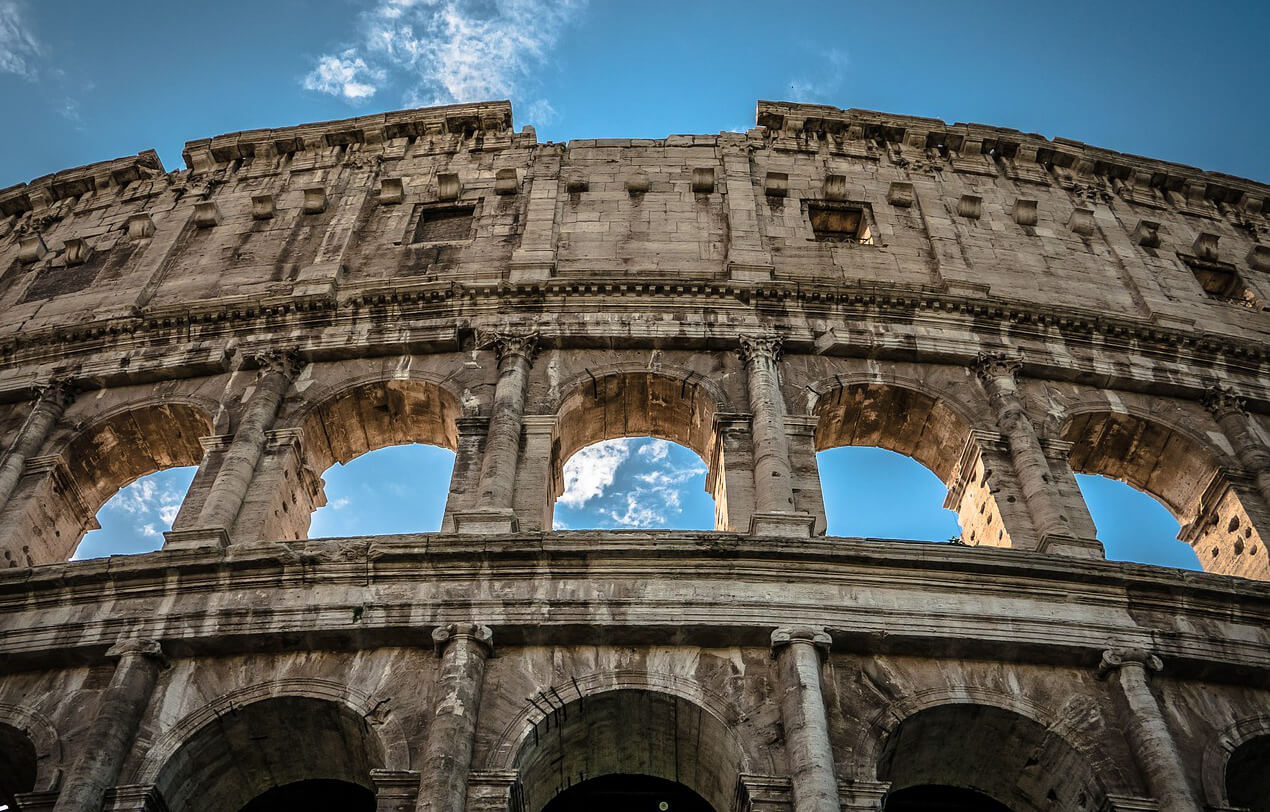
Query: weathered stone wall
(1007, 310)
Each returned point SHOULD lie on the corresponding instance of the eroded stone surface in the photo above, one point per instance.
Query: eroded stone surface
(1005, 309)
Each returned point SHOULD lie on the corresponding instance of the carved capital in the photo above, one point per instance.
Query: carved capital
(136, 647)
(765, 347)
(1223, 402)
(443, 636)
(813, 636)
(58, 393)
(508, 345)
(284, 362)
(1116, 658)
(990, 366)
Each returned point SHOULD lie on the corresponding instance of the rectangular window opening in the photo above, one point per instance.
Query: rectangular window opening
(444, 224)
(1221, 281)
(844, 222)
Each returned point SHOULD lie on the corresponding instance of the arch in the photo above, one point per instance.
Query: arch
(636, 401)
(1218, 752)
(46, 746)
(388, 731)
(911, 418)
(337, 425)
(519, 729)
(1220, 515)
(629, 731)
(1008, 755)
(870, 741)
(87, 468)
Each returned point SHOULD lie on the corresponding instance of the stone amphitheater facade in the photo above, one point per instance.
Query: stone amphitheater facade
(1006, 309)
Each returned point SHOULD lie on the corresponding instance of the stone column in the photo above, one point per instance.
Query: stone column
(773, 478)
(798, 654)
(493, 512)
(1228, 410)
(464, 648)
(105, 746)
(465, 478)
(49, 406)
(999, 375)
(229, 489)
(1147, 731)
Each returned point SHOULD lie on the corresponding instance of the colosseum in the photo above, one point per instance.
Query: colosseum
(1007, 310)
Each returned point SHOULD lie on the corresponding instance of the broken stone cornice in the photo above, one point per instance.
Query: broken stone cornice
(802, 120)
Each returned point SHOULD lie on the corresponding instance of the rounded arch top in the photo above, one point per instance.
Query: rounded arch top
(45, 742)
(1219, 750)
(895, 412)
(627, 728)
(388, 733)
(343, 420)
(634, 400)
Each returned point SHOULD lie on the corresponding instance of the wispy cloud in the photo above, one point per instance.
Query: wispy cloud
(18, 47)
(831, 71)
(447, 51)
(345, 75)
(590, 472)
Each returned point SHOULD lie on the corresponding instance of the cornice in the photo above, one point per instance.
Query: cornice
(440, 306)
(385, 577)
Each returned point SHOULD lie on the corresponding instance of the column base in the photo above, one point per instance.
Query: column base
(790, 525)
(199, 537)
(473, 522)
(1071, 546)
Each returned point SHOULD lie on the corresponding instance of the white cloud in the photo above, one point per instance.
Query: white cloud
(345, 75)
(654, 450)
(447, 51)
(831, 71)
(590, 472)
(339, 503)
(150, 497)
(640, 511)
(18, 47)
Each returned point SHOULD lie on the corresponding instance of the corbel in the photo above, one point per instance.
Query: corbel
(263, 207)
(1025, 213)
(391, 191)
(506, 182)
(970, 207)
(140, 227)
(703, 181)
(776, 184)
(449, 187)
(207, 214)
(314, 200)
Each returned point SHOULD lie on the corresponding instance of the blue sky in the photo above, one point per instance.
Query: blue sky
(86, 81)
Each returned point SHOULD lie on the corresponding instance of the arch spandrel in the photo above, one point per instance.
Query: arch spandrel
(46, 745)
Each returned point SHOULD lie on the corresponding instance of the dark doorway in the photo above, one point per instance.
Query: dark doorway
(628, 793)
(1248, 775)
(938, 798)
(314, 796)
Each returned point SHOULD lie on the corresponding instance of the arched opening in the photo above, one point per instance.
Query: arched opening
(915, 425)
(645, 412)
(314, 796)
(619, 734)
(1248, 775)
(1184, 476)
(135, 519)
(1133, 525)
(634, 483)
(50, 515)
(398, 489)
(876, 493)
(275, 754)
(628, 793)
(936, 798)
(18, 761)
(962, 751)
(342, 428)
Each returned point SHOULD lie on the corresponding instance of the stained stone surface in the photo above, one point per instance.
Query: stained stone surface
(1006, 309)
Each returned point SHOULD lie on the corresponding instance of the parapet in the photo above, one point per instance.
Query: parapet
(465, 120)
(95, 177)
(1028, 157)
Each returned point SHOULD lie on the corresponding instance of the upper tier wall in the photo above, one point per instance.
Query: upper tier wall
(345, 210)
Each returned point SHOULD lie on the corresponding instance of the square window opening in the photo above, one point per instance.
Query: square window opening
(444, 224)
(847, 223)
